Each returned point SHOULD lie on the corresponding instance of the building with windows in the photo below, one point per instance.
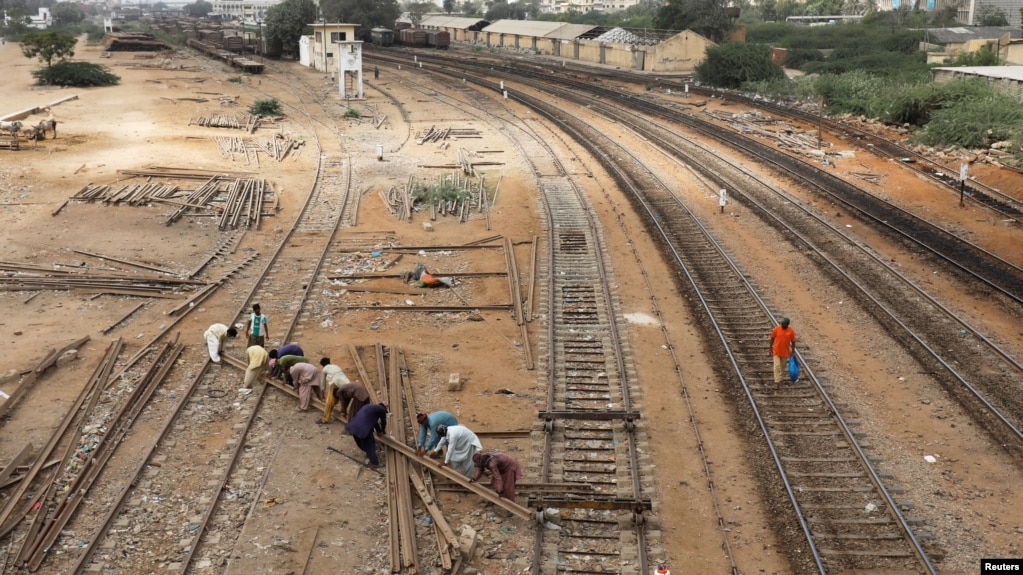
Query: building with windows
(248, 11)
(320, 50)
(584, 6)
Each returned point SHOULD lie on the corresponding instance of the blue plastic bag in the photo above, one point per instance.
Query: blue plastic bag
(793, 369)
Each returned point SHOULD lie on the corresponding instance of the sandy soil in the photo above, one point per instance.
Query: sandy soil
(330, 512)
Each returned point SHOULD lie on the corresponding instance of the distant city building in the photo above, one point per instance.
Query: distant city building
(584, 6)
(248, 11)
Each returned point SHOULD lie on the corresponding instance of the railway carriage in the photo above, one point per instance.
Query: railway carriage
(381, 36)
(413, 37)
(438, 39)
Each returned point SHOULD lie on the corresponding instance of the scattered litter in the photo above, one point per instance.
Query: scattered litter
(930, 459)
(870, 508)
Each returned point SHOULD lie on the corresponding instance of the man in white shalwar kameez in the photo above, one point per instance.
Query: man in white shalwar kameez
(462, 444)
(215, 337)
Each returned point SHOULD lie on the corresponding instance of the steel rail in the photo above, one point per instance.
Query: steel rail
(635, 504)
(1009, 286)
(749, 394)
(979, 192)
(1012, 428)
(81, 565)
(306, 209)
(587, 140)
(768, 215)
(118, 503)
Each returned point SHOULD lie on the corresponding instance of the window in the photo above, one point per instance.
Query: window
(319, 36)
(338, 36)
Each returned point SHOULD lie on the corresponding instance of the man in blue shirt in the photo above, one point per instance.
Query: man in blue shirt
(372, 417)
(428, 427)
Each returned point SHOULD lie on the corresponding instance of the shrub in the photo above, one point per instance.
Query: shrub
(76, 74)
(975, 123)
(352, 113)
(235, 79)
(736, 63)
(270, 107)
(797, 57)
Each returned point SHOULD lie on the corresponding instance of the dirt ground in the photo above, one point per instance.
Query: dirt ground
(331, 513)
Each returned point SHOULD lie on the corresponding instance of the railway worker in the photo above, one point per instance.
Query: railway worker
(333, 378)
(783, 346)
(462, 444)
(504, 472)
(428, 427)
(307, 380)
(376, 73)
(285, 363)
(352, 397)
(257, 326)
(258, 358)
(290, 349)
(372, 417)
(215, 336)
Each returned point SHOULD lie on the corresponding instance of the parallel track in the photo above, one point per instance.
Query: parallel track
(214, 428)
(590, 432)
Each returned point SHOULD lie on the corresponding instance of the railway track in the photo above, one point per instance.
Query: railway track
(839, 540)
(973, 263)
(976, 370)
(215, 430)
(945, 175)
(591, 432)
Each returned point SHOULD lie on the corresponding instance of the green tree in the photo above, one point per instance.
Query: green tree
(513, 11)
(48, 45)
(287, 21)
(417, 10)
(366, 13)
(198, 9)
(988, 15)
(471, 8)
(76, 74)
(449, 6)
(709, 18)
(736, 63)
(67, 13)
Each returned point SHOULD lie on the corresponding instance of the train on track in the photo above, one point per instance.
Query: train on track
(234, 60)
(414, 37)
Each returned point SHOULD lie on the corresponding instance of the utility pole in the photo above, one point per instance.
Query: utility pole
(820, 120)
(323, 41)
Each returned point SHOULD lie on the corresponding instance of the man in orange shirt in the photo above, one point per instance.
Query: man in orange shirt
(783, 345)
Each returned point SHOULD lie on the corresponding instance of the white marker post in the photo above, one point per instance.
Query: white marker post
(722, 199)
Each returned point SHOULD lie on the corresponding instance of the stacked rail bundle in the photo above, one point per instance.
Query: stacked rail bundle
(214, 50)
(25, 277)
(434, 134)
(198, 198)
(132, 42)
(244, 204)
(277, 147)
(452, 195)
(219, 121)
(134, 195)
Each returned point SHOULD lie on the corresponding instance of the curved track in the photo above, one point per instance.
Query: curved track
(846, 549)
